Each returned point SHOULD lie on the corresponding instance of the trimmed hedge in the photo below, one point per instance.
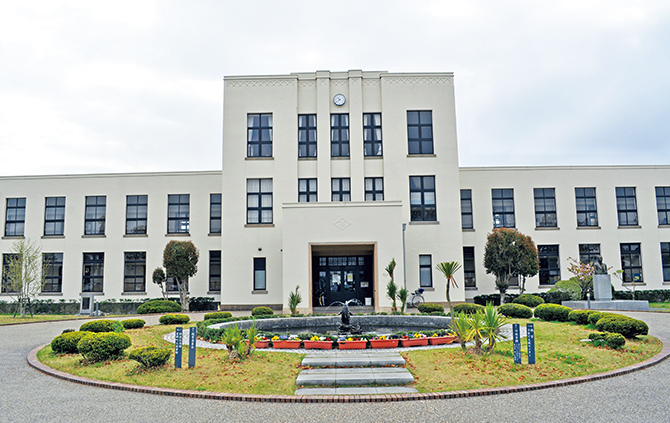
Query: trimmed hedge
(528, 300)
(468, 308)
(626, 326)
(66, 343)
(552, 312)
(99, 326)
(581, 317)
(218, 315)
(174, 319)
(594, 317)
(262, 311)
(151, 357)
(430, 308)
(133, 323)
(158, 306)
(513, 310)
(612, 340)
(493, 299)
(104, 346)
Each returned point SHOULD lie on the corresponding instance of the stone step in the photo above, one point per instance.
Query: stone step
(355, 376)
(365, 390)
(350, 359)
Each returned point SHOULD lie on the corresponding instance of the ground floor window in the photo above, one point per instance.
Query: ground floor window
(588, 252)
(215, 271)
(94, 264)
(52, 265)
(6, 264)
(469, 267)
(665, 259)
(259, 274)
(631, 262)
(425, 271)
(134, 274)
(550, 271)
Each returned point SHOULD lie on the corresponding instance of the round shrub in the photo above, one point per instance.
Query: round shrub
(528, 300)
(615, 340)
(218, 315)
(518, 311)
(468, 308)
(428, 308)
(262, 311)
(99, 326)
(67, 342)
(594, 317)
(581, 317)
(174, 319)
(552, 312)
(626, 326)
(104, 346)
(151, 357)
(158, 306)
(133, 323)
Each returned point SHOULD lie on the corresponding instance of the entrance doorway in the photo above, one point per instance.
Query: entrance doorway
(341, 274)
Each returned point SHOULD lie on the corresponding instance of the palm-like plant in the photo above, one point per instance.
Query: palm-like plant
(492, 321)
(448, 269)
(477, 332)
(294, 299)
(461, 325)
(391, 287)
(233, 339)
(402, 295)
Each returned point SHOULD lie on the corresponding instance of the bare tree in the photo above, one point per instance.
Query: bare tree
(24, 273)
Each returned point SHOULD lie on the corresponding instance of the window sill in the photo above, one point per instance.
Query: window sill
(214, 234)
(92, 292)
(545, 286)
(259, 158)
(94, 236)
(424, 222)
(504, 227)
(135, 235)
(340, 158)
(471, 288)
(13, 237)
(664, 226)
(547, 228)
(53, 236)
(427, 288)
(635, 284)
(629, 227)
(469, 230)
(307, 158)
(373, 157)
(181, 234)
(259, 225)
(587, 227)
(213, 292)
(422, 155)
(259, 292)
(133, 293)
(50, 294)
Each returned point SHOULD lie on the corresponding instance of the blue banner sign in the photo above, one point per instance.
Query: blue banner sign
(530, 336)
(191, 347)
(178, 336)
(516, 337)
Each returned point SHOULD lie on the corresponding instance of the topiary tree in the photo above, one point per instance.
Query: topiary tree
(448, 269)
(180, 260)
(509, 253)
(160, 279)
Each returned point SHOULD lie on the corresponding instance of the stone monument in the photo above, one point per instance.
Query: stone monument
(602, 282)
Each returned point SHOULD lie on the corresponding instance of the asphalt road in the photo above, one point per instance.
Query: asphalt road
(27, 395)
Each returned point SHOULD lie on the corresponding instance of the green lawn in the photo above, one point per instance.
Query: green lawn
(7, 319)
(660, 306)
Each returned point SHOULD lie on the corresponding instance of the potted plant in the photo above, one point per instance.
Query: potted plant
(286, 342)
(318, 342)
(352, 343)
(441, 339)
(262, 342)
(414, 340)
(384, 341)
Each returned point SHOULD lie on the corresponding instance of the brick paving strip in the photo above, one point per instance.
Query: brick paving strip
(35, 363)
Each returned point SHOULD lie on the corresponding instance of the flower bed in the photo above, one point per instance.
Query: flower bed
(415, 340)
(319, 343)
(352, 343)
(441, 340)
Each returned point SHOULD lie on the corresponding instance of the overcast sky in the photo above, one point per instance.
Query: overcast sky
(136, 86)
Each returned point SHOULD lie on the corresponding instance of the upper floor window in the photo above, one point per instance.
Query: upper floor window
(52, 266)
(422, 202)
(307, 190)
(374, 189)
(96, 209)
(94, 269)
(631, 262)
(136, 214)
(663, 205)
(425, 271)
(469, 267)
(15, 219)
(214, 213)
(466, 209)
(550, 270)
(54, 216)
(259, 135)
(340, 189)
(372, 134)
(134, 275)
(545, 207)
(587, 211)
(503, 208)
(339, 135)
(259, 201)
(178, 213)
(215, 271)
(306, 135)
(588, 252)
(626, 206)
(420, 132)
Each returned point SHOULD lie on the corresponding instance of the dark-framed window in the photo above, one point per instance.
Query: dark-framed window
(545, 207)
(372, 134)
(466, 209)
(178, 213)
(422, 201)
(550, 270)
(425, 271)
(214, 213)
(96, 210)
(374, 189)
(587, 210)
(135, 272)
(340, 189)
(307, 190)
(15, 217)
(665, 260)
(7, 259)
(420, 131)
(306, 135)
(588, 252)
(339, 135)
(259, 274)
(136, 214)
(52, 266)
(631, 262)
(93, 272)
(503, 208)
(259, 201)
(469, 267)
(215, 271)
(171, 285)
(626, 206)
(54, 216)
(663, 205)
(259, 135)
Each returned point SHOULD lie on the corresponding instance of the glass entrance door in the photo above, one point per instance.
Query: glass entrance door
(341, 278)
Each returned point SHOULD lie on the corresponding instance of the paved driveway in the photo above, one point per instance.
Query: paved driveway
(27, 395)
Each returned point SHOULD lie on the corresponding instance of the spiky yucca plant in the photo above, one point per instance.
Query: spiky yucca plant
(391, 287)
(294, 300)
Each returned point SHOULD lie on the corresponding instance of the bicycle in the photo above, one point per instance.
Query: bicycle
(417, 298)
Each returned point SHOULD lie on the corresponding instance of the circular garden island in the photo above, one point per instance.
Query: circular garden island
(568, 343)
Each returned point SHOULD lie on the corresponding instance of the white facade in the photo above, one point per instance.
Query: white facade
(278, 144)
